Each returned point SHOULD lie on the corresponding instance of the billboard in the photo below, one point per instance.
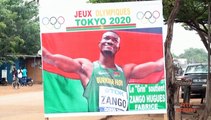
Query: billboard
(102, 59)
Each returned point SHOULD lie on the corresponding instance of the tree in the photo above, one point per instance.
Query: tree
(170, 74)
(19, 29)
(195, 55)
(194, 16)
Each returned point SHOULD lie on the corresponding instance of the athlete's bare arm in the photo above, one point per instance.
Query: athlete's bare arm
(134, 71)
(81, 66)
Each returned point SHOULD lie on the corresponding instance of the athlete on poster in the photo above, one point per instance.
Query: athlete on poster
(103, 59)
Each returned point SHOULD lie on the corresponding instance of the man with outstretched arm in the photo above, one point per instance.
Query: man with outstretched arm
(103, 74)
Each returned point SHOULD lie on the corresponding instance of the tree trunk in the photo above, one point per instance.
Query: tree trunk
(206, 112)
(170, 75)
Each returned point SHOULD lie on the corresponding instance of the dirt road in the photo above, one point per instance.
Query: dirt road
(25, 103)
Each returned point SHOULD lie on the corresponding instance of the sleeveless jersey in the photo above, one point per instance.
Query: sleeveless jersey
(106, 90)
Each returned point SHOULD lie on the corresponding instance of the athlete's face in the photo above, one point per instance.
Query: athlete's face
(110, 42)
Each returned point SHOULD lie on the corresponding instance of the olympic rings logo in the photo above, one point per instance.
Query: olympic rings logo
(148, 15)
(55, 22)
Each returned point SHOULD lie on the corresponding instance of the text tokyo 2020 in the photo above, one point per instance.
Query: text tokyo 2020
(103, 21)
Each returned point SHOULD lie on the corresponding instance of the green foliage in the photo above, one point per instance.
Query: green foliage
(19, 29)
(192, 13)
(174, 55)
(195, 55)
(189, 10)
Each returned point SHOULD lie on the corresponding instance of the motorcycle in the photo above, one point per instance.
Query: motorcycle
(25, 81)
(3, 82)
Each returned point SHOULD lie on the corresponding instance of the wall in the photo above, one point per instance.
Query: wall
(33, 66)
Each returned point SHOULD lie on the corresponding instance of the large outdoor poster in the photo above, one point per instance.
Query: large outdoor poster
(103, 58)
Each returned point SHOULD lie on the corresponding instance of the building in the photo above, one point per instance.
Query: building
(32, 63)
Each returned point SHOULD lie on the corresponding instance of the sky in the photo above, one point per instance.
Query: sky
(183, 39)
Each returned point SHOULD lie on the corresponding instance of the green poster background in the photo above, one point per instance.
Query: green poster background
(143, 97)
(64, 95)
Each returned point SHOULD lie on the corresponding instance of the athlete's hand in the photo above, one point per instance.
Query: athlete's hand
(160, 64)
(46, 56)
(45, 52)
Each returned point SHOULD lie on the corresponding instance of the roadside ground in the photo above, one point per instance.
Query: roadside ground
(26, 103)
